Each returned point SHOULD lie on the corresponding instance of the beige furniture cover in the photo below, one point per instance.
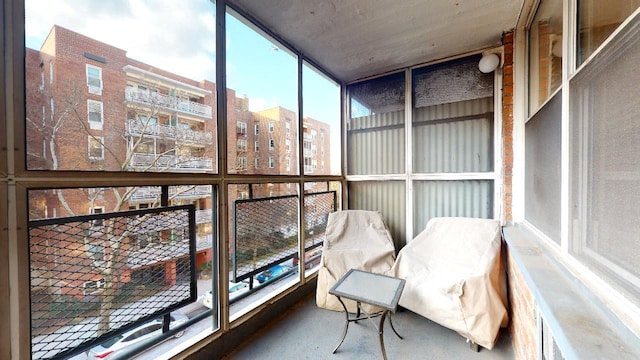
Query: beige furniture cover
(355, 239)
(455, 277)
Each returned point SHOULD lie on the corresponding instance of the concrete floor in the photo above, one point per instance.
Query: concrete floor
(308, 332)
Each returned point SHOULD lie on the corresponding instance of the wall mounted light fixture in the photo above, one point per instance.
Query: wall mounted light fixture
(489, 62)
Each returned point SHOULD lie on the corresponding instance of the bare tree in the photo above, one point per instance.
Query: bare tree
(150, 146)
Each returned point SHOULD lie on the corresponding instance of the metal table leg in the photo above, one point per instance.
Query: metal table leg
(380, 326)
(393, 328)
(346, 325)
(381, 333)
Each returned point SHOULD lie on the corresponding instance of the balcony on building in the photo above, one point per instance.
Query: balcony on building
(155, 162)
(183, 134)
(170, 101)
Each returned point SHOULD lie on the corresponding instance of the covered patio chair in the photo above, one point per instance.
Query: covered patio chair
(455, 277)
(354, 239)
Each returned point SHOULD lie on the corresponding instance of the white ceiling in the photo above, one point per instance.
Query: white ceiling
(353, 39)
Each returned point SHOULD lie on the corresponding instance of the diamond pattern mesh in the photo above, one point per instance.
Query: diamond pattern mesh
(93, 275)
(266, 229)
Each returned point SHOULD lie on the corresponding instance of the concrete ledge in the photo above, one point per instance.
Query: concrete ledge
(582, 326)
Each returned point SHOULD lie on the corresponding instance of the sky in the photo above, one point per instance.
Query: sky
(179, 36)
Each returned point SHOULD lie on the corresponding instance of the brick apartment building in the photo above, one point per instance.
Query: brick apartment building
(90, 107)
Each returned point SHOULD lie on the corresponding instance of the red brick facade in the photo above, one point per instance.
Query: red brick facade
(507, 128)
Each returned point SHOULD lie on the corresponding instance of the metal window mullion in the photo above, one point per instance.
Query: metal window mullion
(221, 273)
(408, 128)
(568, 68)
(301, 182)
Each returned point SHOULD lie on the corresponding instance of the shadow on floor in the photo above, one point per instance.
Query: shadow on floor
(308, 332)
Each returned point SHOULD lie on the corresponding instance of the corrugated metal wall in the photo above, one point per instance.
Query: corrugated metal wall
(376, 144)
(467, 198)
(454, 137)
(452, 128)
(388, 197)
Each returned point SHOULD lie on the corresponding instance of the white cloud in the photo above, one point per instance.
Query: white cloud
(258, 104)
(177, 36)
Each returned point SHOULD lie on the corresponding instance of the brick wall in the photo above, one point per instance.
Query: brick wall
(507, 127)
(522, 326)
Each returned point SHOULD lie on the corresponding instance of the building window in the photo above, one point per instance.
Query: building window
(545, 53)
(94, 110)
(272, 162)
(242, 145)
(272, 144)
(604, 175)
(257, 163)
(96, 148)
(271, 127)
(94, 80)
(597, 20)
(50, 72)
(287, 129)
(288, 145)
(242, 162)
(288, 164)
(542, 168)
(257, 129)
(256, 146)
(97, 210)
(242, 128)
(92, 287)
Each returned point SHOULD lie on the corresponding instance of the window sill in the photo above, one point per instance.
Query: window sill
(583, 327)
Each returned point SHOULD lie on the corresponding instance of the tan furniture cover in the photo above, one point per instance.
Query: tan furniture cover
(355, 239)
(455, 277)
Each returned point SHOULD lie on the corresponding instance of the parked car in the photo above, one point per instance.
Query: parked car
(274, 272)
(235, 290)
(311, 258)
(124, 341)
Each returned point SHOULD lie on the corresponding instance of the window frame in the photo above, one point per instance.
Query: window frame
(93, 105)
(92, 88)
(242, 128)
(99, 140)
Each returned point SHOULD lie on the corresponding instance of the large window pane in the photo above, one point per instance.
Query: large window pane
(263, 242)
(262, 113)
(321, 127)
(453, 118)
(605, 163)
(545, 53)
(597, 20)
(96, 78)
(375, 132)
(542, 168)
(104, 258)
(320, 199)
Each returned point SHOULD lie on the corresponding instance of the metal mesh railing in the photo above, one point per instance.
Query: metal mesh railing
(317, 209)
(96, 275)
(266, 230)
